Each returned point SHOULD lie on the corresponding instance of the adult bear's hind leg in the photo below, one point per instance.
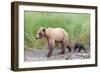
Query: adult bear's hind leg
(63, 46)
(69, 48)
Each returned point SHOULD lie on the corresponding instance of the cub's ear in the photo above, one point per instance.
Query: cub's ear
(44, 29)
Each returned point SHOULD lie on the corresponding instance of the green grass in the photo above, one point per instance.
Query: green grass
(77, 26)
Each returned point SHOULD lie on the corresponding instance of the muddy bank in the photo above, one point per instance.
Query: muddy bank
(40, 55)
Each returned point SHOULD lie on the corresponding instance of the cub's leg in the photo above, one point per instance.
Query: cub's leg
(81, 47)
(75, 47)
(84, 48)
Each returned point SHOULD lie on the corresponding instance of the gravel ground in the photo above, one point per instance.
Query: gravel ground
(40, 55)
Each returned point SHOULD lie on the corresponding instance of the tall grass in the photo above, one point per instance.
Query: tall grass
(77, 26)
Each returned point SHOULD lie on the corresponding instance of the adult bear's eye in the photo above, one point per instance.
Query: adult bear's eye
(43, 30)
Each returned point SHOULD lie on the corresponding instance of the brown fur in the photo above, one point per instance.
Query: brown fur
(54, 35)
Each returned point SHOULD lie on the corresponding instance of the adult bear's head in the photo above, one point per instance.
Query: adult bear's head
(41, 33)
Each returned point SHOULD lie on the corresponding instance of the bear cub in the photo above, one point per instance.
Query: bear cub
(79, 46)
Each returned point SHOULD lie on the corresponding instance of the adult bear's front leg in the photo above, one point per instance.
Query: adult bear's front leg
(50, 46)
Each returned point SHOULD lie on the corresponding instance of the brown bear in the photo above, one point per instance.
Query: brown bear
(54, 35)
(79, 46)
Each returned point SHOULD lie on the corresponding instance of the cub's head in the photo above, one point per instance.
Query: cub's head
(41, 33)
